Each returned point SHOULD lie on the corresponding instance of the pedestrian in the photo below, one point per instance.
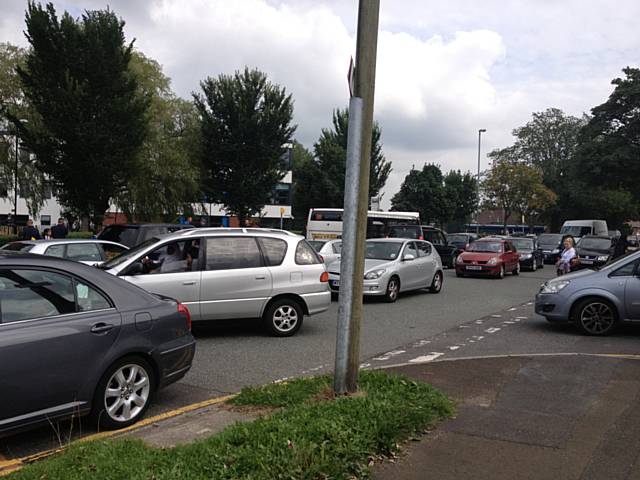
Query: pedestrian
(621, 246)
(46, 234)
(564, 263)
(30, 232)
(60, 229)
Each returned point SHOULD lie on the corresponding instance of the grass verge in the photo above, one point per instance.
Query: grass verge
(306, 438)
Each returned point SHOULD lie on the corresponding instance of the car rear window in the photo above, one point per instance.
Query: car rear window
(228, 253)
(124, 234)
(306, 255)
(18, 246)
(274, 250)
(414, 232)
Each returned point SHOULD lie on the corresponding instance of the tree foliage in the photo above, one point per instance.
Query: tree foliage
(88, 114)
(245, 121)
(167, 173)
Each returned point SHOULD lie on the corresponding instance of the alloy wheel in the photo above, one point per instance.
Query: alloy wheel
(597, 318)
(392, 290)
(285, 318)
(127, 393)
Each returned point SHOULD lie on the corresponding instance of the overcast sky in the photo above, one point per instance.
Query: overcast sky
(445, 69)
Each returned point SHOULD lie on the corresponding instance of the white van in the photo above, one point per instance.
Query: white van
(580, 228)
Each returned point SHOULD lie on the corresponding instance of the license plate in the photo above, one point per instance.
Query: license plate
(325, 236)
(335, 283)
(474, 267)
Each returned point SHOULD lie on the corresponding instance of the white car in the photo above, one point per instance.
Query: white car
(88, 251)
(328, 250)
(394, 265)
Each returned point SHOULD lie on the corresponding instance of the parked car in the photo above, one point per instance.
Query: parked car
(531, 256)
(596, 301)
(461, 240)
(229, 273)
(328, 250)
(394, 265)
(404, 231)
(489, 256)
(132, 234)
(89, 251)
(447, 251)
(595, 251)
(551, 246)
(579, 228)
(74, 341)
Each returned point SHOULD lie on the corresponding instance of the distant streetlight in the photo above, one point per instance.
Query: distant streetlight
(15, 172)
(480, 132)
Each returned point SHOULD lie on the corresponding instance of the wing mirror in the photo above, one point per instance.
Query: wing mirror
(408, 257)
(136, 268)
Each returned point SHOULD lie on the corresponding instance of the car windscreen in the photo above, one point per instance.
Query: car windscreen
(522, 244)
(123, 257)
(457, 238)
(397, 231)
(316, 244)
(485, 246)
(18, 246)
(124, 234)
(383, 250)
(594, 243)
(575, 231)
(549, 240)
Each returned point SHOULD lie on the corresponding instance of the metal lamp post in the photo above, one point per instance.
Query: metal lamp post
(480, 132)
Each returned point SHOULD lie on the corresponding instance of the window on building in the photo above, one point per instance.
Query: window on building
(281, 194)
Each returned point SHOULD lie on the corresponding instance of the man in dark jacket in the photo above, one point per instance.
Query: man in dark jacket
(30, 232)
(59, 230)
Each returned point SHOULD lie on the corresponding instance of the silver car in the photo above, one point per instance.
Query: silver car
(394, 265)
(328, 250)
(88, 251)
(595, 300)
(229, 273)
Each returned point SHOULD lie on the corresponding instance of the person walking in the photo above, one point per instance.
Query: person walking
(60, 229)
(30, 232)
(563, 265)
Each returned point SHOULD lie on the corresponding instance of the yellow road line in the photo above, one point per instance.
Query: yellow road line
(8, 466)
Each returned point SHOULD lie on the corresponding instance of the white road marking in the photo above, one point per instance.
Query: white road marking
(512, 309)
(521, 318)
(421, 343)
(478, 337)
(382, 358)
(496, 316)
(508, 322)
(479, 322)
(365, 365)
(426, 358)
(492, 330)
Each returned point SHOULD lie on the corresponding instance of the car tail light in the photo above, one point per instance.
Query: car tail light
(466, 246)
(421, 237)
(324, 278)
(321, 258)
(185, 311)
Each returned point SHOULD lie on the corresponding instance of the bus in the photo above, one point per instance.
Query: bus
(326, 223)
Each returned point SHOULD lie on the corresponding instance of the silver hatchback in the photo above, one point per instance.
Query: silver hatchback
(222, 273)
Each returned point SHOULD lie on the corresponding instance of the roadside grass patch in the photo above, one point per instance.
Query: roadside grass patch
(306, 439)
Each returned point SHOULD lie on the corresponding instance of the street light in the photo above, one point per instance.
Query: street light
(15, 173)
(480, 132)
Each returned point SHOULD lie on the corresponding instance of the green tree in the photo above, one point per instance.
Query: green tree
(461, 194)
(607, 166)
(331, 157)
(307, 186)
(246, 120)
(168, 173)
(423, 191)
(89, 119)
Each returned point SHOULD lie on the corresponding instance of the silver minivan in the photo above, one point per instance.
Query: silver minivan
(229, 273)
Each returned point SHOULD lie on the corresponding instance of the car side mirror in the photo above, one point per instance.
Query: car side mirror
(136, 268)
(408, 257)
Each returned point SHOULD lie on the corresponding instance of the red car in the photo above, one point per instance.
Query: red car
(492, 257)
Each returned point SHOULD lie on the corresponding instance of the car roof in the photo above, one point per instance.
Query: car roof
(212, 231)
(492, 239)
(138, 225)
(604, 237)
(520, 238)
(392, 240)
(65, 240)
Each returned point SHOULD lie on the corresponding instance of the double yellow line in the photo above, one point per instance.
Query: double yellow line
(9, 466)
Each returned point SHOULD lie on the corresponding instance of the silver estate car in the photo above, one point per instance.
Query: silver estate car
(394, 265)
(88, 251)
(595, 300)
(229, 273)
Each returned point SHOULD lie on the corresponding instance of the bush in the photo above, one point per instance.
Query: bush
(80, 235)
(4, 239)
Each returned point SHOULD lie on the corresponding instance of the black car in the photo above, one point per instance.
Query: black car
(132, 234)
(413, 232)
(461, 240)
(447, 251)
(551, 246)
(75, 340)
(531, 257)
(595, 251)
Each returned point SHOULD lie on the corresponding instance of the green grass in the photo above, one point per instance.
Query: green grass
(307, 438)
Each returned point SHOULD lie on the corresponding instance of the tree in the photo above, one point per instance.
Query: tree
(514, 186)
(167, 174)
(549, 142)
(246, 120)
(608, 152)
(33, 186)
(331, 156)
(89, 119)
(461, 193)
(307, 184)
(423, 191)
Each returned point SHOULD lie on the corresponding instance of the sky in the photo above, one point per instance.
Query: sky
(444, 69)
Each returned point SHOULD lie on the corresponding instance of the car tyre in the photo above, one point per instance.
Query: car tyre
(596, 316)
(458, 274)
(393, 289)
(436, 283)
(516, 271)
(454, 259)
(283, 317)
(124, 393)
(502, 272)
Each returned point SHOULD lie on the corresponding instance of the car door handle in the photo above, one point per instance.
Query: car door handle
(190, 282)
(261, 277)
(101, 328)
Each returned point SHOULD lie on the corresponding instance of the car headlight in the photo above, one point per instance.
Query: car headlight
(493, 261)
(459, 259)
(555, 250)
(372, 275)
(526, 256)
(603, 258)
(554, 287)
